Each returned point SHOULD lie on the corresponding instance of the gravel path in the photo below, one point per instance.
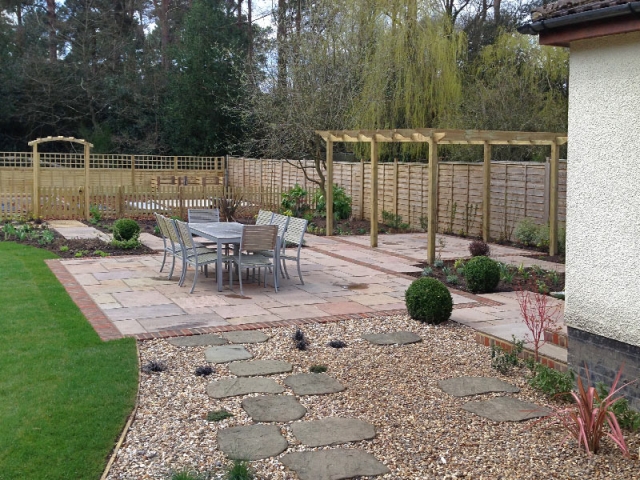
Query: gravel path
(422, 433)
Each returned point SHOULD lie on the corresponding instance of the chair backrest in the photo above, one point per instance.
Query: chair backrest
(281, 221)
(258, 238)
(203, 215)
(185, 238)
(295, 231)
(264, 217)
(172, 231)
(162, 226)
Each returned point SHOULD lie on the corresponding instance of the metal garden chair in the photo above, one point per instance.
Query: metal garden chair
(172, 242)
(294, 235)
(191, 254)
(264, 217)
(255, 241)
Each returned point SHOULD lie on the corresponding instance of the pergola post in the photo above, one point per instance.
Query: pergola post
(432, 205)
(553, 199)
(486, 193)
(87, 186)
(35, 199)
(374, 192)
(328, 185)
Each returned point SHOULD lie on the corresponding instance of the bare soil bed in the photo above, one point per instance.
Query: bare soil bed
(421, 432)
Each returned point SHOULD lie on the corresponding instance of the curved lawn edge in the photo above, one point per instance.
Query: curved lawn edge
(65, 395)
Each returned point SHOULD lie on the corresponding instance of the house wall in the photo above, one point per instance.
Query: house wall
(603, 206)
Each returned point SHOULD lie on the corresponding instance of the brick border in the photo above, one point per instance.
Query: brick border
(96, 317)
(491, 341)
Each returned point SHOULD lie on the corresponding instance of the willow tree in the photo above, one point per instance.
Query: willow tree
(412, 77)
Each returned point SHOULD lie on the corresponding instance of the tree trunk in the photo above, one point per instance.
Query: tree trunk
(281, 39)
(51, 20)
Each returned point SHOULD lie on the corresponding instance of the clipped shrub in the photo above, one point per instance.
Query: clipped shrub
(482, 274)
(218, 415)
(526, 232)
(337, 344)
(318, 368)
(125, 229)
(428, 300)
(154, 366)
(478, 248)
(341, 203)
(204, 371)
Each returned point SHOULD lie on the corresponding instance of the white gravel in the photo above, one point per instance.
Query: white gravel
(422, 433)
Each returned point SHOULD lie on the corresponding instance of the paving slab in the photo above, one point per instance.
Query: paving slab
(233, 387)
(392, 338)
(259, 367)
(465, 386)
(332, 431)
(506, 409)
(333, 464)
(252, 442)
(274, 408)
(227, 353)
(197, 340)
(245, 337)
(313, 384)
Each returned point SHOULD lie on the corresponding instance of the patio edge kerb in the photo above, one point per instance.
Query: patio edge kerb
(105, 329)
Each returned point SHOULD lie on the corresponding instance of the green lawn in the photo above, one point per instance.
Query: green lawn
(64, 394)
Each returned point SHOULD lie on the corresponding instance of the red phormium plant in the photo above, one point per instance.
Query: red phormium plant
(585, 421)
(538, 315)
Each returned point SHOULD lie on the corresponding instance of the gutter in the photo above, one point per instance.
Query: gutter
(534, 28)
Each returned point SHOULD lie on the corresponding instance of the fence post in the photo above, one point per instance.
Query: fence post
(486, 193)
(119, 202)
(87, 180)
(175, 165)
(329, 189)
(395, 186)
(374, 192)
(361, 189)
(133, 170)
(553, 200)
(35, 200)
(181, 200)
(433, 200)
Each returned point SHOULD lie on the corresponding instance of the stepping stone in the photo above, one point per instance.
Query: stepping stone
(333, 464)
(274, 408)
(245, 336)
(332, 431)
(197, 341)
(251, 442)
(506, 409)
(465, 386)
(232, 387)
(259, 367)
(393, 338)
(226, 353)
(313, 384)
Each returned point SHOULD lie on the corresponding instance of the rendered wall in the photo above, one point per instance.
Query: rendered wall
(603, 189)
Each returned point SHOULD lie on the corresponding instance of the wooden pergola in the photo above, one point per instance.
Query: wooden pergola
(36, 170)
(435, 137)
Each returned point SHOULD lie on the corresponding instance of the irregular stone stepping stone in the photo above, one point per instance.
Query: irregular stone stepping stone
(226, 353)
(274, 408)
(313, 384)
(465, 386)
(333, 464)
(332, 431)
(393, 338)
(231, 387)
(251, 442)
(259, 367)
(197, 341)
(245, 336)
(506, 409)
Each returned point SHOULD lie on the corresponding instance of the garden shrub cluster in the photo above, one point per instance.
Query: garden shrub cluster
(531, 234)
(428, 300)
(126, 233)
(482, 274)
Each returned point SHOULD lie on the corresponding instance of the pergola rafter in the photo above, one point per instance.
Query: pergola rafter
(435, 137)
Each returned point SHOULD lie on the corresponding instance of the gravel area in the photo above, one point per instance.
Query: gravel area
(422, 433)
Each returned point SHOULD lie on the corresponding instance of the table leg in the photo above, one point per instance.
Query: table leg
(219, 266)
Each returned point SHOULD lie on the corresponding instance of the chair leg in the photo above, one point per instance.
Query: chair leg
(183, 275)
(240, 281)
(195, 278)
(300, 272)
(173, 264)
(164, 259)
(284, 268)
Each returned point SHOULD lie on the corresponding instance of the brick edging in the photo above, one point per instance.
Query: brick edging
(98, 320)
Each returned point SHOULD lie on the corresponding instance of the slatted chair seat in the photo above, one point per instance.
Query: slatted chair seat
(294, 235)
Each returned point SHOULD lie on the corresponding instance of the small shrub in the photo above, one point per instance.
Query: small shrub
(204, 371)
(96, 215)
(125, 229)
(482, 274)
(478, 248)
(526, 232)
(100, 253)
(189, 475)
(239, 470)
(394, 221)
(452, 279)
(542, 237)
(503, 360)
(295, 202)
(428, 300)
(154, 366)
(64, 248)
(341, 203)
(126, 244)
(218, 415)
(553, 382)
(337, 344)
(80, 253)
(318, 368)
(438, 263)
(427, 272)
(300, 340)
(46, 237)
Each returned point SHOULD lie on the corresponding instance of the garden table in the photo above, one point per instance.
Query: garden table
(226, 233)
